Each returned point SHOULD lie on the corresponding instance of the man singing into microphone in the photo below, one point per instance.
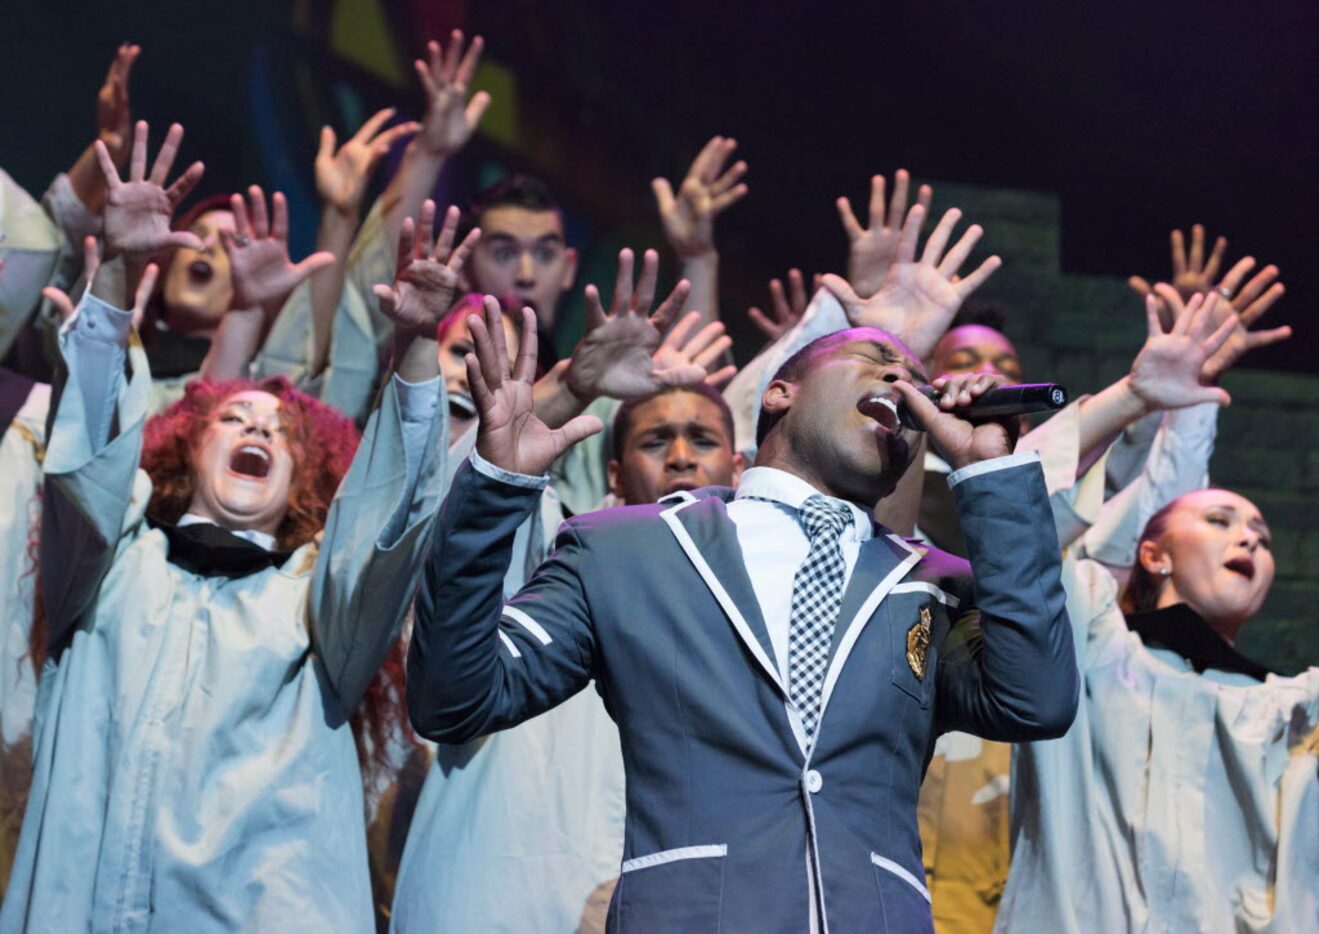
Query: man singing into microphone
(778, 666)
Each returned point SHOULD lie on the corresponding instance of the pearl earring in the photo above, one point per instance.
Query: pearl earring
(1164, 572)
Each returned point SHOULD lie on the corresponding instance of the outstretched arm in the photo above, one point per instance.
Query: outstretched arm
(474, 665)
(1176, 368)
(450, 120)
(90, 470)
(114, 123)
(91, 459)
(688, 218)
(341, 180)
(380, 523)
(262, 276)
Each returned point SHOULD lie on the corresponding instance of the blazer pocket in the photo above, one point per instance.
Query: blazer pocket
(914, 650)
(671, 891)
(903, 897)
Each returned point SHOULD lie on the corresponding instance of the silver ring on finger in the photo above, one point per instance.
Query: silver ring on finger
(1225, 292)
(244, 241)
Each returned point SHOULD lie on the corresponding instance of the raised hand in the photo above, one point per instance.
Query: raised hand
(138, 211)
(91, 266)
(342, 175)
(426, 277)
(1168, 371)
(1256, 298)
(919, 298)
(958, 441)
(708, 190)
(259, 264)
(872, 251)
(450, 117)
(788, 307)
(510, 435)
(91, 261)
(692, 357)
(621, 355)
(1191, 272)
(114, 116)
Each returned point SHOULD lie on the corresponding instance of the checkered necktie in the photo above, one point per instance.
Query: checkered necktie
(817, 594)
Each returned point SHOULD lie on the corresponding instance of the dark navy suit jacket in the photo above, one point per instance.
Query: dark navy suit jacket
(731, 825)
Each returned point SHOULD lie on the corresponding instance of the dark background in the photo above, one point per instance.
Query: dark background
(1078, 133)
(1139, 116)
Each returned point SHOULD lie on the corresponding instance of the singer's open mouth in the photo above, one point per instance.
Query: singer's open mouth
(882, 409)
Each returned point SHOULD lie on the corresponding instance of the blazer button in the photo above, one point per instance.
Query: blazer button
(814, 781)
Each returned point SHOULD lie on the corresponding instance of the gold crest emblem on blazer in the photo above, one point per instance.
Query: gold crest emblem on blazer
(918, 644)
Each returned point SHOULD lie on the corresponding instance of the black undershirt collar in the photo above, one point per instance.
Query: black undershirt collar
(1180, 629)
(210, 551)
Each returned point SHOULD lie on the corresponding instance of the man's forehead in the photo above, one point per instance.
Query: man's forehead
(887, 347)
(676, 408)
(518, 223)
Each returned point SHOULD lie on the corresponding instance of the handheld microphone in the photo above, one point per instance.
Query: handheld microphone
(997, 403)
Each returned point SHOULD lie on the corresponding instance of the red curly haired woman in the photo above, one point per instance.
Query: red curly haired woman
(213, 619)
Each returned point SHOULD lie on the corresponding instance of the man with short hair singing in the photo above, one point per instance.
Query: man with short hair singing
(778, 666)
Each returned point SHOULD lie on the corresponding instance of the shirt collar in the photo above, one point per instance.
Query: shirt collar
(261, 539)
(785, 489)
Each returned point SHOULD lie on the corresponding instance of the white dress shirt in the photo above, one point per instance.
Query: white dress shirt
(774, 544)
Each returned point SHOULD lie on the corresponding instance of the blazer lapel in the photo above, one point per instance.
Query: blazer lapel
(709, 539)
(882, 562)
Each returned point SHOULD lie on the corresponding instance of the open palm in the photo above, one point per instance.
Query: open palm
(426, 280)
(138, 211)
(873, 250)
(450, 118)
(510, 435)
(262, 273)
(1167, 372)
(919, 298)
(623, 354)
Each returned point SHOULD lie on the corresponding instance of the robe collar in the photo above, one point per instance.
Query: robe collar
(1180, 629)
(210, 551)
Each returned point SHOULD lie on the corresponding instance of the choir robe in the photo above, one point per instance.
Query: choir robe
(1178, 801)
(40, 247)
(194, 767)
(23, 407)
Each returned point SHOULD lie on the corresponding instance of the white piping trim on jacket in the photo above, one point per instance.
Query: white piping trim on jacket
(901, 873)
(672, 856)
(508, 644)
(720, 594)
(1006, 462)
(937, 593)
(529, 624)
(857, 623)
(814, 874)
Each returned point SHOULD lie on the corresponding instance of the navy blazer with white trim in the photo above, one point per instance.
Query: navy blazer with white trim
(724, 804)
